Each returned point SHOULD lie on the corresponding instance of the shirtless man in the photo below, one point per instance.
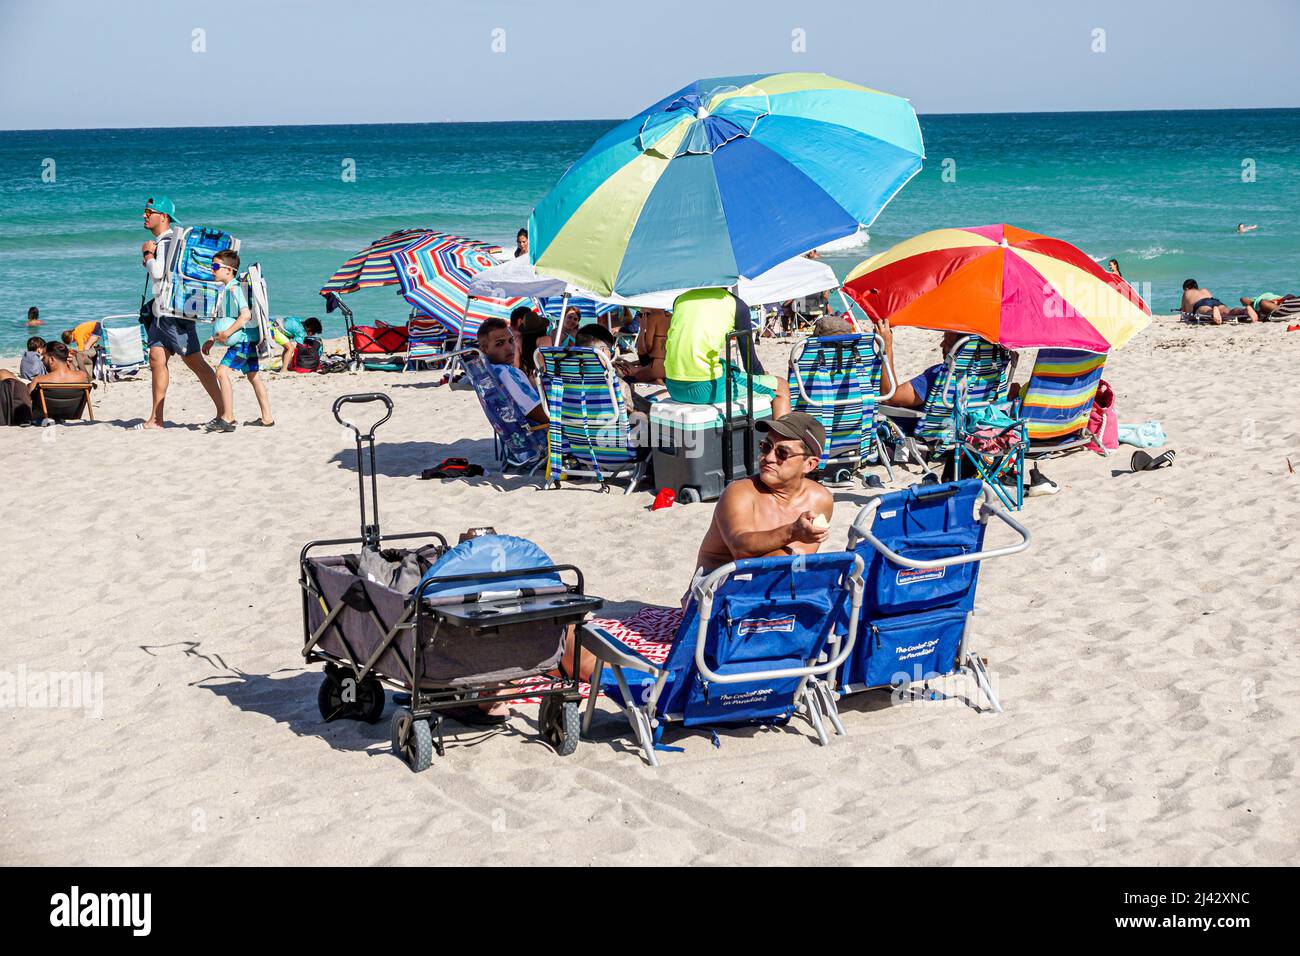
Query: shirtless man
(778, 511)
(1198, 301)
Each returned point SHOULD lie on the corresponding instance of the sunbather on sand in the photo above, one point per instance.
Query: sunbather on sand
(1266, 303)
(1198, 301)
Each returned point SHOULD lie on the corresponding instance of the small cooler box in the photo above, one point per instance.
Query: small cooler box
(688, 446)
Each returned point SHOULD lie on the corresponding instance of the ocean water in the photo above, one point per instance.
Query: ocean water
(1160, 191)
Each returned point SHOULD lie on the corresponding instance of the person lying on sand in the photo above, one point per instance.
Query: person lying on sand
(1198, 301)
(1266, 303)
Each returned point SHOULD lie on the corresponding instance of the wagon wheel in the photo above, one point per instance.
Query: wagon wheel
(329, 699)
(370, 701)
(412, 740)
(560, 724)
(689, 496)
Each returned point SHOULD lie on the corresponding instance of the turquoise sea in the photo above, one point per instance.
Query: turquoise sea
(1160, 191)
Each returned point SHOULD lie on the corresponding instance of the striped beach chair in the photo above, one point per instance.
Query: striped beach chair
(590, 436)
(1057, 402)
(978, 372)
(836, 380)
(426, 341)
(520, 444)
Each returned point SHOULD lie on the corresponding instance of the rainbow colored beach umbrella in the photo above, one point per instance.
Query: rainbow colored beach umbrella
(373, 265)
(434, 272)
(1004, 284)
(725, 178)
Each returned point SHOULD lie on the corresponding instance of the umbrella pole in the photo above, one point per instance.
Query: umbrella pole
(460, 338)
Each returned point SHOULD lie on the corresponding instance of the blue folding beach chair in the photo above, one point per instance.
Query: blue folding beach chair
(590, 436)
(758, 637)
(978, 372)
(922, 548)
(836, 380)
(121, 348)
(520, 444)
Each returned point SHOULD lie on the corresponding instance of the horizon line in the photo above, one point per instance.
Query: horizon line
(450, 122)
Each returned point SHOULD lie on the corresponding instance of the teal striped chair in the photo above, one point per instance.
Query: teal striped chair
(836, 380)
(977, 372)
(590, 435)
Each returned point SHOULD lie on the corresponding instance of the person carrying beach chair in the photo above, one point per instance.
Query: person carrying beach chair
(589, 433)
(836, 378)
(921, 549)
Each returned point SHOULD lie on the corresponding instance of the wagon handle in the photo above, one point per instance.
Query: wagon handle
(357, 400)
(369, 529)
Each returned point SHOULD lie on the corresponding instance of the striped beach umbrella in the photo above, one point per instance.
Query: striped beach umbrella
(434, 272)
(1004, 284)
(725, 178)
(373, 265)
(588, 309)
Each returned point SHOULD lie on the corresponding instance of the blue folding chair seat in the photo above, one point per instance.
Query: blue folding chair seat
(922, 548)
(590, 435)
(757, 639)
(520, 444)
(836, 380)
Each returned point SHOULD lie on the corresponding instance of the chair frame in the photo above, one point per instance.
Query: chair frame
(813, 696)
(637, 466)
(967, 660)
(877, 424)
(86, 408)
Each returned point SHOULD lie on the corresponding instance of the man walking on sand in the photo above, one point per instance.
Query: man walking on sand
(168, 336)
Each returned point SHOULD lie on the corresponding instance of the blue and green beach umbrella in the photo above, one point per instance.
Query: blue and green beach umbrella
(727, 177)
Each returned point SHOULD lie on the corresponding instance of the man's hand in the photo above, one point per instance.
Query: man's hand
(884, 331)
(221, 337)
(148, 247)
(808, 529)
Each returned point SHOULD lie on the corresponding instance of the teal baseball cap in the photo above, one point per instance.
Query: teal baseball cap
(163, 205)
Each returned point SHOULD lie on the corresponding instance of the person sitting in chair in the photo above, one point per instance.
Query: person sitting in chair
(60, 371)
(497, 344)
(778, 511)
(913, 392)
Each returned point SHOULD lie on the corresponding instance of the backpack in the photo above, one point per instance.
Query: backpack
(306, 357)
(187, 289)
(253, 284)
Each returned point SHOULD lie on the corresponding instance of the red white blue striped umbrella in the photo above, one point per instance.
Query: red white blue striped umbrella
(435, 272)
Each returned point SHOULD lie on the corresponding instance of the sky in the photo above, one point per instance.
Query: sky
(72, 64)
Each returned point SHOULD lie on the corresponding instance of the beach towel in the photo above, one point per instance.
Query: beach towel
(649, 632)
(1149, 434)
(15, 403)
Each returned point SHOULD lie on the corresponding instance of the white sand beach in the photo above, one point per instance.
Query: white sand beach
(1145, 650)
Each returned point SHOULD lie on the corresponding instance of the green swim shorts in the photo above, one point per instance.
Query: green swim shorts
(714, 392)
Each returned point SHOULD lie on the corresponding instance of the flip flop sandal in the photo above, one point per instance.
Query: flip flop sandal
(474, 716)
(453, 468)
(1142, 461)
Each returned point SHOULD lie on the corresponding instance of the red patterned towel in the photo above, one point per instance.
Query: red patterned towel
(649, 632)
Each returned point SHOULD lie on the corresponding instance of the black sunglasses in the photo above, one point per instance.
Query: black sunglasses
(768, 447)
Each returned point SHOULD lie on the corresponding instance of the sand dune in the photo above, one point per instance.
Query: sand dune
(1144, 649)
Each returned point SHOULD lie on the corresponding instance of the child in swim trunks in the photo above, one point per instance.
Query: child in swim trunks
(233, 330)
